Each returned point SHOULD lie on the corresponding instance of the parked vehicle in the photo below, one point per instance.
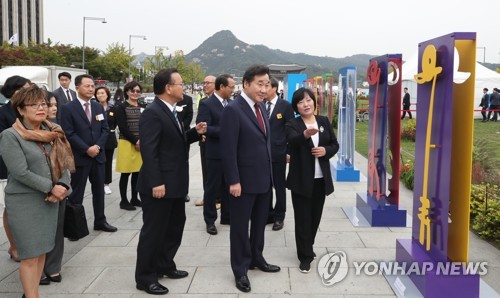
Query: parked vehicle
(43, 76)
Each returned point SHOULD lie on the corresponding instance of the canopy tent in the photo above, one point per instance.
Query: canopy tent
(485, 78)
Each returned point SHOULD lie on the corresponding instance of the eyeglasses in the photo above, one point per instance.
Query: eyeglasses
(176, 84)
(135, 91)
(231, 87)
(36, 106)
(208, 83)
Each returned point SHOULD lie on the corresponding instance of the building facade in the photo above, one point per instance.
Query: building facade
(21, 21)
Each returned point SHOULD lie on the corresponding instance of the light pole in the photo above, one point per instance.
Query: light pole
(103, 20)
(130, 49)
(484, 53)
(156, 49)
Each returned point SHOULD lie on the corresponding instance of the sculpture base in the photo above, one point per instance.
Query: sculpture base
(435, 283)
(380, 216)
(342, 173)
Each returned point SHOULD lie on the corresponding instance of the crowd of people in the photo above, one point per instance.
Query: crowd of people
(63, 139)
(490, 102)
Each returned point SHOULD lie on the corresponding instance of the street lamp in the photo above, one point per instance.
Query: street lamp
(130, 50)
(103, 20)
(156, 58)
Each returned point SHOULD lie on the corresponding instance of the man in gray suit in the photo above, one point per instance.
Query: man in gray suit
(63, 94)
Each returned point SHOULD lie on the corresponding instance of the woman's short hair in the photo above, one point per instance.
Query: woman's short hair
(49, 96)
(108, 93)
(129, 86)
(299, 95)
(27, 96)
(12, 84)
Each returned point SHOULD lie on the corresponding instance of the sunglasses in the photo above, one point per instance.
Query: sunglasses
(135, 91)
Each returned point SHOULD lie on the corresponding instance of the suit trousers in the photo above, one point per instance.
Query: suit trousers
(108, 167)
(95, 174)
(160, 237)
(215, 188)
(53, 259)
(279, 210)
(245, 250)
(307, 212)
(203, 163)
(406, 108)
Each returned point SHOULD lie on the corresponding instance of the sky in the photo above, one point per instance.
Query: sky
(321, 28)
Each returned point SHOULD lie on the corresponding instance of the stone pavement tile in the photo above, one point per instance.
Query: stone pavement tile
(353, 285)
(491, 278)
(340, 200)
(331, 239)
(121, 280)
(195, 238)
(378, 239)
(197, 296)
(342, 225)
(118, 238)
(104, 256)
(7, 265)
(75, 280)
(73, 247)
(88, 296)
(221, 280)
(355, 254)
(201, 256)
(480, 250)
(288, 296)
(400, 229)
(333, 213)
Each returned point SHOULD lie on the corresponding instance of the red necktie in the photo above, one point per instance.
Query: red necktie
(259, 118)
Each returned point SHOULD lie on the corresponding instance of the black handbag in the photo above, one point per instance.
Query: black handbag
(75, 221)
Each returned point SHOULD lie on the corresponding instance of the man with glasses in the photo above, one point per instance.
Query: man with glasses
(87, 131)
(208, 90)
(210, 111)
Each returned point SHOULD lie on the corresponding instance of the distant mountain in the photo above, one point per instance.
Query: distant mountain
(224, 53)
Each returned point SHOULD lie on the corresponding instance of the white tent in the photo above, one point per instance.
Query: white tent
(485, 78)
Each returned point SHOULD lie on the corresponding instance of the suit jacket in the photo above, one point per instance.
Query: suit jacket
(81, 134)
(282, 113)
(164, 151)
(210, 111)
(406, 99)
(7, 118)
(186, 116)
(301, 169)
(247, 150)
(111, 143)
(62, 99)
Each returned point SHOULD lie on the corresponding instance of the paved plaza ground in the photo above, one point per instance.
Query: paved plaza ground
(102, 264)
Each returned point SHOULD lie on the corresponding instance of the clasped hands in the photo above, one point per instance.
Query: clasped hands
(316, 151)
(57, 194)
(93, 151)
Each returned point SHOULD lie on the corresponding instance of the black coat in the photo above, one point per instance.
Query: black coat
(301, 169)
(7, 118)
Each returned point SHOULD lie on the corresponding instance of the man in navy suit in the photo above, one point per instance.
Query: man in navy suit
(210, 111)
(279, 112)
(63, 94)
(87, 131)
(244, 135)
(163, 183)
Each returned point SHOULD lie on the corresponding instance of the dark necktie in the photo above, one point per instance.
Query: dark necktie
(87, 111)
(259, 118)
(69, 96)
(268, 109)
(177, 118)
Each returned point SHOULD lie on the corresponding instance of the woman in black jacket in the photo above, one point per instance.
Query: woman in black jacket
(311, 143)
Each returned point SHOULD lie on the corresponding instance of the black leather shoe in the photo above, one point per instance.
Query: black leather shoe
(153, 289)
(243, 284)
(266, 267)
(44, 281)
(126, 206)
(136, 203)
(187, 198)
(106, 227)
(278, 225)
(211, 229)
(56, 278)
(175, 274)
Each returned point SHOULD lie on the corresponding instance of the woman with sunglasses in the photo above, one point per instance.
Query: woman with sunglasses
(128, 156)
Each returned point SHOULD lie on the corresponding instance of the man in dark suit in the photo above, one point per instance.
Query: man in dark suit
(279, 112)
(185, 115)
(244, 136)
(63, 94)
(208, 90)
(210, 111)
(87, 131)
(163, 183)
(406, 104)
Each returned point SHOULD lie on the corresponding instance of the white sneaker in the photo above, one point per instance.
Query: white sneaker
(107, 190)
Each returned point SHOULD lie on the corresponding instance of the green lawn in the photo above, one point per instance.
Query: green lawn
(490, 131)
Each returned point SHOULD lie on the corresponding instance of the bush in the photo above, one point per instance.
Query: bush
(485, 211)
(407, 174)
(409, 130)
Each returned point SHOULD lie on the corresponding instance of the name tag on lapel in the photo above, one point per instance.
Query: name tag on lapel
(99, 117)
(279, 116)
